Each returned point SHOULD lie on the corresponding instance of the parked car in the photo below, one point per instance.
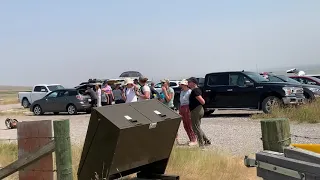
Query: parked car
(314, 75)
(310, 91)
(306, 80)
(39, 91)
(247, 90)
(71, 101)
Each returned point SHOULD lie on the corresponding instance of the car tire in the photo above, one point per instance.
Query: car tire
(208, 112)
(269, 102)
(37, 110)
(71, 109)
(309, 96)
(25, 103)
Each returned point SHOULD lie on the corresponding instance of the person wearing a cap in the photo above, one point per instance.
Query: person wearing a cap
(144, 91)
(196, 103)
(129, 92)
(185, 112)
(168, 93)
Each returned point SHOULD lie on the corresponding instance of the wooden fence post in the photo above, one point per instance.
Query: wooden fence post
(32, 135)
(63, 149)
(275, 134)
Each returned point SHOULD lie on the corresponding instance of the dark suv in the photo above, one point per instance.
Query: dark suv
(247, 90)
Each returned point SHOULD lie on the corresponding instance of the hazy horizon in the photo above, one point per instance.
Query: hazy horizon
(68, 42)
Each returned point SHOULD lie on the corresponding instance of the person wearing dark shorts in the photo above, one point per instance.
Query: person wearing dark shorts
(93, 96)
(196, 103)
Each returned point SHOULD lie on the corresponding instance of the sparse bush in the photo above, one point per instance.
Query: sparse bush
(309, 113)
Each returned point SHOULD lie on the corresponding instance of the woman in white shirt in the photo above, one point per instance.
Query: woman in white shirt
(185, 112)
(129, 92)
(98, 91)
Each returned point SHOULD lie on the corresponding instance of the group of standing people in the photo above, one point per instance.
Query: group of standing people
(191, 101)
(191, 111)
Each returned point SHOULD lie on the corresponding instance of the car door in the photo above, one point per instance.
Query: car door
(243, 93)
(215, 91)
(50, 104)
(38, 93)
(62, 100)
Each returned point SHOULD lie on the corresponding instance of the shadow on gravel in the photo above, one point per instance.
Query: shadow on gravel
(230, 115)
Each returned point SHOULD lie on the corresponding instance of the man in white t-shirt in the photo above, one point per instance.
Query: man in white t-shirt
(144, 91)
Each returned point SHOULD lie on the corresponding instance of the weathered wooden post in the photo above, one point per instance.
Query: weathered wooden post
(33, 135)
(63, 149)
(275, 134)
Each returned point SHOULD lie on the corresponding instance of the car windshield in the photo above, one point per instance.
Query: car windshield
(256, 77)
(55, 87)
(287, 79)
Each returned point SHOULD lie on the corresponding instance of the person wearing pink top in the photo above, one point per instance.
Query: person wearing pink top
(108, 91)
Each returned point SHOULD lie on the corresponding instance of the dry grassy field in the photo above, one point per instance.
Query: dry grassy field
(189, 164)
(9, 94)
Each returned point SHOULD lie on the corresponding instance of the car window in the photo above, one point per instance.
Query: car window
(238, 80)
(53, 94)
(308, 81)
(173, 84)
(218, 80)
(63, 93)
(73, 93)
(55, 87)
(157, 85)
(40, 89)
(275, 79)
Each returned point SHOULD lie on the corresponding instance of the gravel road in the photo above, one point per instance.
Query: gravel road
(231, 131)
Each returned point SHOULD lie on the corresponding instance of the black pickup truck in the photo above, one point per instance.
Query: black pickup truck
(247, 90)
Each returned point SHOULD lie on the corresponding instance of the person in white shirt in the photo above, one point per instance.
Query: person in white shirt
(129, 92)
(98, 91)
(144, 92)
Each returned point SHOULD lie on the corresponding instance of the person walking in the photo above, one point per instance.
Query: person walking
(168, 93)
(129, 92)
(185, 112)
(92, 95)
(117, 93)
(196, 103)
(98, 91)
(143, 92)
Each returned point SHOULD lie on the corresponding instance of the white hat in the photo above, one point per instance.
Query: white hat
(128, 81)
(184, 82)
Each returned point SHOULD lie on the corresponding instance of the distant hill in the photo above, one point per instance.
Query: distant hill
(14, 88)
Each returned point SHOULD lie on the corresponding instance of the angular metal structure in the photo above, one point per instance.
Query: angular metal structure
(123, 139)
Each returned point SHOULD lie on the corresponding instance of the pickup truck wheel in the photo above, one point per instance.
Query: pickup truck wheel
(71, 109)
(37, 110)
(208, 113)
(270, 103)
(25, 103)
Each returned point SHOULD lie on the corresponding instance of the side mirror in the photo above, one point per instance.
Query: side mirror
(249, 84)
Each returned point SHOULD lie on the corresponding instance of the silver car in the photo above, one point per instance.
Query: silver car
(71, 101)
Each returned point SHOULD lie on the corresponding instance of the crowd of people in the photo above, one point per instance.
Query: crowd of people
(191, 101)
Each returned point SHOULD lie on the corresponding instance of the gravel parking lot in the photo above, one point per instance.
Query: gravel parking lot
(231, 131)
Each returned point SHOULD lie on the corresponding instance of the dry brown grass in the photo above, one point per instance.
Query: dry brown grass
(9, 94)
(309, 113)
(189, 164)
(17, 111)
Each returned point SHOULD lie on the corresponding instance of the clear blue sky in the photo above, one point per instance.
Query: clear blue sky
(70, 41)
